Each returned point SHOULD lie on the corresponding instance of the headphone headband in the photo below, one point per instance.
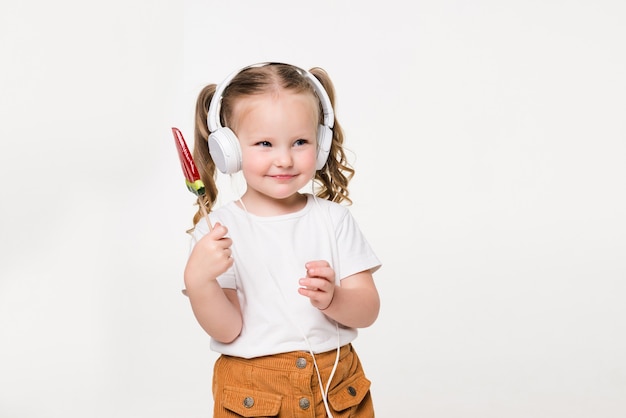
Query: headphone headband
(213, 115)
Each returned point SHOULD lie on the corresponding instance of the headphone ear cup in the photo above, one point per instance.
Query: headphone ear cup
(225, 150)
(324, 140)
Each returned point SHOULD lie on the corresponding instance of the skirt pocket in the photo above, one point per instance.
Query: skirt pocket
(250, 403)
(346, 397)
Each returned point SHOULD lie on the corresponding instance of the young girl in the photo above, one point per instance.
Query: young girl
(283, 279)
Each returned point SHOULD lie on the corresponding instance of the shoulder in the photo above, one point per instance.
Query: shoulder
(326, 204)
(224, 214)
(336, 211)
(224, 210)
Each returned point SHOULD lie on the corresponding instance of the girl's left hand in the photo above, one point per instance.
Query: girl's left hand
(319, 283)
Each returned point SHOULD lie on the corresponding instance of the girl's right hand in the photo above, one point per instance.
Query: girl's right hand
(210, 257)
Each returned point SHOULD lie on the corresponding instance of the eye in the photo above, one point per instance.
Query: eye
(300, 142)
(264, 144)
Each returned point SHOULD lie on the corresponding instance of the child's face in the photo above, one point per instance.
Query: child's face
(277, 133)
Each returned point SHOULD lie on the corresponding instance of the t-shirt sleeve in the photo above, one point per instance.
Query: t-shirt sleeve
(355, 253)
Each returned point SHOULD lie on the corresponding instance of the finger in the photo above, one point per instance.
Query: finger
(325, 273)
(225, 242)
(316, 264)
(316, 284)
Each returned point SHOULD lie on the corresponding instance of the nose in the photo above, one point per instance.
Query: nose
(283, 158)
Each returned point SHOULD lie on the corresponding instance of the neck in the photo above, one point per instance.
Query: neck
(266, 206)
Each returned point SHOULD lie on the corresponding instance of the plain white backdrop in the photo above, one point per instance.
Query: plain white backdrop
(489, 141)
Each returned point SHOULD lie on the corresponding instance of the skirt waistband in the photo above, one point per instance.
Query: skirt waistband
(297, 360)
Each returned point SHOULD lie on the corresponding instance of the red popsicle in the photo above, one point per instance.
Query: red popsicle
(192, 176)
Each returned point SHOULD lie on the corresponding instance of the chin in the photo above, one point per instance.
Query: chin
(284, 195)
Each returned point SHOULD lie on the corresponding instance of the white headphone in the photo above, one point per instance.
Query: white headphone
(224, 145)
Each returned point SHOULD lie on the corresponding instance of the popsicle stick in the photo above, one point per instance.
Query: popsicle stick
(206, 215)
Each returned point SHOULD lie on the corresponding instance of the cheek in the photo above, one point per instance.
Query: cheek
(311, 160)
(250, 166)
(249, 160)
(311, 155)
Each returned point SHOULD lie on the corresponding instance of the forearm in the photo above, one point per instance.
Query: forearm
(354, 307)
(215, 312)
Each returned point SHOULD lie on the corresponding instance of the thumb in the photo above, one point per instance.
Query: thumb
(219, 230)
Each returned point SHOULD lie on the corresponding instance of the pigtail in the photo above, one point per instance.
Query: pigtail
(334, 177)
(201, 156)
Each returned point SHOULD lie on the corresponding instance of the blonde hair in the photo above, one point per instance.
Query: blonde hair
(331, 181)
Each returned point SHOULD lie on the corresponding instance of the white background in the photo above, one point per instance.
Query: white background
(489, 140)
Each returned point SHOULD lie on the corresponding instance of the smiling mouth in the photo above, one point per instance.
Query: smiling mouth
(283, 176)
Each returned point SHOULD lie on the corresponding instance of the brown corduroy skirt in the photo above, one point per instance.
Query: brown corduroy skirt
(286, 386)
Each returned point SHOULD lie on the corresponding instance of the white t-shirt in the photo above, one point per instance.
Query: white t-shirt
(269, 256)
